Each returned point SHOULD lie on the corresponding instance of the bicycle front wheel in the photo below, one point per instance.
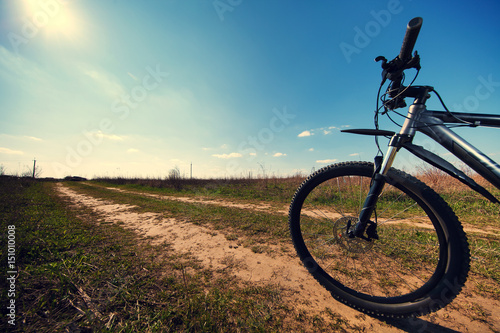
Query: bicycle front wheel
(419, 262)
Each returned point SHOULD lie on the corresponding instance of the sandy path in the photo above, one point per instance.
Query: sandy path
(281, 268)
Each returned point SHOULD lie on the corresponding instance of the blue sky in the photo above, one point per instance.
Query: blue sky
(235, 87)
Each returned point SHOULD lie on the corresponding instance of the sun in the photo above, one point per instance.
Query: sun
(54, 18)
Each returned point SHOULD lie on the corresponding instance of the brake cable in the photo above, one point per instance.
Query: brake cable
(468, 123)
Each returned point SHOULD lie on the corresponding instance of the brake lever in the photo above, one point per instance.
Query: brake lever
(383, 59)
(384, 67)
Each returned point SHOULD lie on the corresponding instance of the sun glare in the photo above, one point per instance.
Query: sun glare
(53, 18)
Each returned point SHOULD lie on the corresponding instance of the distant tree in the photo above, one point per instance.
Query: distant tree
(174, 177)
(29, 172)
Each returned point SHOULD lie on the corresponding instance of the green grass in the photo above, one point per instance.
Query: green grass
(268, 189)
(76, 275)
(470, 206)
(244, 222)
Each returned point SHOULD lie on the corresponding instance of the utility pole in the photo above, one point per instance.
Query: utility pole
(191, 171)
(34, 167)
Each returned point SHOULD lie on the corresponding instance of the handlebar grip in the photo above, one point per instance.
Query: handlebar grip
(410, 39)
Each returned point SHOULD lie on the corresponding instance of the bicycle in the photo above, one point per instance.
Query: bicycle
(379, 239)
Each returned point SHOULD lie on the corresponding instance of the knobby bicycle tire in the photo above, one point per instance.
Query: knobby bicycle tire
(418, 264)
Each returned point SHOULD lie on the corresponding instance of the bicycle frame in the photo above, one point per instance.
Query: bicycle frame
(479, 162)
(432, 124)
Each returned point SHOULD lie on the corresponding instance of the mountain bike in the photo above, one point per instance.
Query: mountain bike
(379, 239)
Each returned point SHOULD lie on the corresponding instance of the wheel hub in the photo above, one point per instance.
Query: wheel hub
(341, 229)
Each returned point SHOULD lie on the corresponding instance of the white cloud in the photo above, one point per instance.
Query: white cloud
(226, 156)
(33, 138)
(21, 138)
(311, 149)
(354, 154)
(111, 137)
(106, 83)
(326, 161)
(171, 101)
(323, 130)
(305, 133)
(132, 150)
(16, 66)
(223, 146)
(19, 71)
(279, 155)
(132, 76)
(10, 151)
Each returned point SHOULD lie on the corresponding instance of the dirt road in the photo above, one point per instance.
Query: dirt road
(216, 250)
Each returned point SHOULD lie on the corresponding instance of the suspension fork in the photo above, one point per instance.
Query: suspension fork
(376, 188)
(405, 135)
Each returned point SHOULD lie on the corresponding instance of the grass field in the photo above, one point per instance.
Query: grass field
(473, 210)
(78, 275)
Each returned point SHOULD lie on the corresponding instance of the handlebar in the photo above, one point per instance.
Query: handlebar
(410, 39)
